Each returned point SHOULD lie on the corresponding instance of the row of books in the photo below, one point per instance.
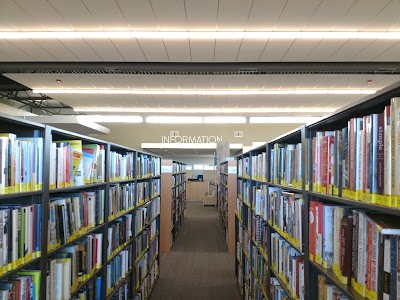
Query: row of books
(362, 248)
(74, 164)
(178, 190)
(259, 199)
(121, 199)
(22, 285)
(360, 161)
(143, 215)
(72, 215)
(329, 291)
(147, 190)
(21, 163)
(92, 291)
(178, 179)
(288, 265)
(145, 289)
(20, 235)
(259, 167)
(119, 267)
(74, 264)
(286, 164)
(260, 233)
(145, 264)
(277, 291)
(122, 166)
(122, 293)
(285, 214)
(178, 167)
(143, 241)
(240, 167)
(147, 165)
(259, 266)
(119, 234)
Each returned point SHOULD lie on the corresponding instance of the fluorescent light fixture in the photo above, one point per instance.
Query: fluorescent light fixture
(209, 110)
(235, 146)
(174, 120)
(202, 35)
(224, 120)
(198, 167)
(114, 119)
(208, 92)
(275, 120)
(188, 168)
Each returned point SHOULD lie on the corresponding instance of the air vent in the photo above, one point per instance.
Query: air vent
(238, 134)
(174, 133)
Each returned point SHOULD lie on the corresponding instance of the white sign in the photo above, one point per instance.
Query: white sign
(191, 139)
(232, 170)
(166, 169)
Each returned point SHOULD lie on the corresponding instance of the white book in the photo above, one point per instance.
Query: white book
(59, 288)
(60, 167)
(17, 165)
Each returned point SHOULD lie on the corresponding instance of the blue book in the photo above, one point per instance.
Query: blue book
(393, 267)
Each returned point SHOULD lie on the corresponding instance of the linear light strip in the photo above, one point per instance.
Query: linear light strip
(208, 92)
(277, 120)
(208, 110)
(203, 35)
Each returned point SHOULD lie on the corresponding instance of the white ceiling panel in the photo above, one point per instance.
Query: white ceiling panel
(325, 49)
(300, 50)
(201, 15)
(154, 50)
(296, 14)
(105, 49)
(275, 50)
(233, 14)
(35, 50)
(5, 57)
(202, 51)
(58, 50)
(387, 18)
(362, 12)
(391, 54)
(226, 50)
(75, 14)
(107, 14)
(328, 15)
(139, 14)
(170, 15)
(178, 50)
(349, 50)
(81, 49)
(14, 52)
(187, 82)
(374, 50)
(265, 14)
(250, 50)
(129, 49)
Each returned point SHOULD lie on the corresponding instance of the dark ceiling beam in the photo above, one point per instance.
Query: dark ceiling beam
(207, 68)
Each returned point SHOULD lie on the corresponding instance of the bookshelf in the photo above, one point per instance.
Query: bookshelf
(324, 221)
(173, 206)
(76, 198)
(227, 200)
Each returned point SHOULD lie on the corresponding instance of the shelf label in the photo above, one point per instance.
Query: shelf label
(232, 170)
(166, 169)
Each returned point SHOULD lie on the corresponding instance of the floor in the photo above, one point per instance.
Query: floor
(199, 266)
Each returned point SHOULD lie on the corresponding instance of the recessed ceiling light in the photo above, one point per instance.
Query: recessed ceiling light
(224, 120)
(203, 35)
(112, 119)
(208, 92)
(266, 120)
(174, 120)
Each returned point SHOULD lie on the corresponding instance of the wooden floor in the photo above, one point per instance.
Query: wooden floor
(199, 266)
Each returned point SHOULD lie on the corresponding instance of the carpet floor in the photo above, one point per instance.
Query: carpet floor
(198, 266)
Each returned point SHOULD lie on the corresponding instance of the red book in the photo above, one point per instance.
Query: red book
(320, 230)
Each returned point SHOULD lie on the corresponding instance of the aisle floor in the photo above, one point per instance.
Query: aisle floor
(199, 266)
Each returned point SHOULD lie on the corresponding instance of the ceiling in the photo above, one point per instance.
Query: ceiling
(353, 63)
(171, 152)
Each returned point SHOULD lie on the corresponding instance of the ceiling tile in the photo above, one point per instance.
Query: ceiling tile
(58, 50)
(178, 50)
(201, 15)
(202, 51)
(170, 15)
(300, 50)
(138, 14)
(154, 50)
(226, 50)
(349, 50)
(250, 50)
(264, 14)
(275, 50)
(391, 54)
(325, 49)
(374, 50)
(35, 50)
(14, 52)
(105, 49)
(81, 49)
(129, 49)
(233, 14)
(107, 14)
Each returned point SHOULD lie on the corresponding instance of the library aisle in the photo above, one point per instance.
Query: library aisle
(198, 266)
